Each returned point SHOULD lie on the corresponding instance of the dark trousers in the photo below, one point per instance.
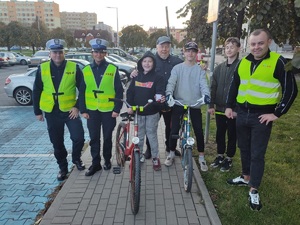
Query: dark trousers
(226, 125)
(56, 122)
(94, 123)
(196, 119)
(167, 119)
(253, 138)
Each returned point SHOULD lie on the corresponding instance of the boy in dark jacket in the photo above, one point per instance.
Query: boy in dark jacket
(147, 85)
(221, 80)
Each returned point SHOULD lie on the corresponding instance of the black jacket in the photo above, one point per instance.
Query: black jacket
(145, 86)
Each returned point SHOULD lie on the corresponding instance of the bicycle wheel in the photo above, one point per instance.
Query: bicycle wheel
(181, 137)
(135, 185)
(188, 169)
(121, 143)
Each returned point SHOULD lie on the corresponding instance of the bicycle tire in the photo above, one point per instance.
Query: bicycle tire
(121, 144)
(188, 169)
(135, 185)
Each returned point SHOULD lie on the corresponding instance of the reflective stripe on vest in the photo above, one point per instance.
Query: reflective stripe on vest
(96, 98)
(260, 88)
(66, 94)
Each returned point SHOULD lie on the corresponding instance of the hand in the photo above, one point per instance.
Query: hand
(211, 111)
(74, 112)
(170, 101)
(134, 73)
(229, 113)
(267, 118)
(129, 111)
(85, 115)
(40, 117)
(114, 114)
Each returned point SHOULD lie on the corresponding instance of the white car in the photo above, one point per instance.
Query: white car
(20, 86)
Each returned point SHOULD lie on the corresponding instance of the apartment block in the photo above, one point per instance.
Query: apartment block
(27, 12)
(78, 20)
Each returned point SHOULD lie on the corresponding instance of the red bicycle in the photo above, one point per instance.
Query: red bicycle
(127, 150)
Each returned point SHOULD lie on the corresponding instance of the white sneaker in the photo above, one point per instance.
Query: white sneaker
(142, 158)
(203, 165)
(169, 160)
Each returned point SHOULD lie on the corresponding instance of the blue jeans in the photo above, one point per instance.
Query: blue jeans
(253, 138)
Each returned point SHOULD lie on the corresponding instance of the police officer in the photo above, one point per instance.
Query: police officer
(54, 93)
(101, 81)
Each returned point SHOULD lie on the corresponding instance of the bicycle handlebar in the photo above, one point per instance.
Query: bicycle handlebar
(184, 105)
(128, 105)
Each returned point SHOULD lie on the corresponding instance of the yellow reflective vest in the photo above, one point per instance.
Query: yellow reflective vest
(96, 98)
(260, 88)
(66, 94)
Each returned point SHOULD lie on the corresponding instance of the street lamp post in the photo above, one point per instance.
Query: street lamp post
(116, 8)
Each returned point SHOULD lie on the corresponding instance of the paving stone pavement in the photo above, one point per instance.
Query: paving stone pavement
(28, 175)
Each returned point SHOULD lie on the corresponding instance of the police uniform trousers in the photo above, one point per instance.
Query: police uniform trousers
(56, 122)
(94, 123)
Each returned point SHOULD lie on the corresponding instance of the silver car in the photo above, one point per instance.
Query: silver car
(21, 59)
(8, 58)
(38, 58)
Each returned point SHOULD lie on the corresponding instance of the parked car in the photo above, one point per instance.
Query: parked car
(21, 59)
(19, 86)
(38, 58)
(121, 59)
(122, 53)
(126, 68)
(8, 58)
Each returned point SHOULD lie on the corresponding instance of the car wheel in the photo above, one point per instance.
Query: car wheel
(23, 96)
(23, 62)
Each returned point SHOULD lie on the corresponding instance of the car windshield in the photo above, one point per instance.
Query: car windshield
(41, 54)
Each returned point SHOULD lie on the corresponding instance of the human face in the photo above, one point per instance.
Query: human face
(163, 50)
(98, 56)
(147, 64)
(231, 50)
(259, 45)
(190, 55)
(57, 57)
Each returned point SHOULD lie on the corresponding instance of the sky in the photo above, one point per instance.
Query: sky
(130, 12)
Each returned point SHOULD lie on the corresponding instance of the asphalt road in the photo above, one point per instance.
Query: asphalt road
(4, 73)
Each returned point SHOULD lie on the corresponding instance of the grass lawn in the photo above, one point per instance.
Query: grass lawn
(280, 188)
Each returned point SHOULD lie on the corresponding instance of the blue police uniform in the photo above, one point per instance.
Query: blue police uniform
(98, 118)
(57, 119)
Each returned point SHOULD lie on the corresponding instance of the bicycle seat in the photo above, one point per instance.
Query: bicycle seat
(126, 116)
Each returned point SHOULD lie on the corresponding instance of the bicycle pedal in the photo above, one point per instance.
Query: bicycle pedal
(116, 170)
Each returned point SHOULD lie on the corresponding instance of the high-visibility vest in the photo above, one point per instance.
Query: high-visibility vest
(66, 94)
(96, 98)
(260, 88)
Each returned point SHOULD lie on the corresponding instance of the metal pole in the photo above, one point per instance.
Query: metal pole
(117, 27)
(168, 27)
(212, 65)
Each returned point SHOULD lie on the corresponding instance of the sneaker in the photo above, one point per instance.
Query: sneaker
(238, 181)
(226, 165)
(254, 200)
(217, 162)
(203, 165)
(142, 158)
(169, 160)
(156, 164)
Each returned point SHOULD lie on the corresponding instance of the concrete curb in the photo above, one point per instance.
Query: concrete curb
(210, 208)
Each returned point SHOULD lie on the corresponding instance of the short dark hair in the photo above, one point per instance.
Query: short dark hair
(258, 31)
(233, 40)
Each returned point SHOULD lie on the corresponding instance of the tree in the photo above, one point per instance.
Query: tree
(154, 36)
(281, 17)
(133, 36)
(11, 34)
(38, 35)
